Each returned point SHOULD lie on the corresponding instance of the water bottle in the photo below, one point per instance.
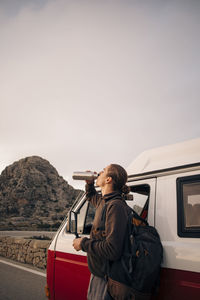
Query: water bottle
(85, 175)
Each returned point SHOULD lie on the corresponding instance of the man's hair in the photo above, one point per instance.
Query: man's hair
(119, 178)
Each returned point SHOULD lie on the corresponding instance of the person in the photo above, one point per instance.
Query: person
(106, 244)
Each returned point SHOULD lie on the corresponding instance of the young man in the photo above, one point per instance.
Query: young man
(106, 242)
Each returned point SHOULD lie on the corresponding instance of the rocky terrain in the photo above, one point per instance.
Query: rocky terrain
(33, 196)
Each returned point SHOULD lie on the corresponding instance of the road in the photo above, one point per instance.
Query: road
(21, 281)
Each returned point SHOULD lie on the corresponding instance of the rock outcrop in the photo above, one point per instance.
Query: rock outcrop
(33, 195)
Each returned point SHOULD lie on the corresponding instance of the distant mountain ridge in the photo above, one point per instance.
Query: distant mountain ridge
(33, 195)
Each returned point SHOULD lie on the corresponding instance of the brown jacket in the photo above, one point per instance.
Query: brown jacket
(104, 245)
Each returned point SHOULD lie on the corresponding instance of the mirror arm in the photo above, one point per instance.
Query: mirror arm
(72, 223)
(76, 233)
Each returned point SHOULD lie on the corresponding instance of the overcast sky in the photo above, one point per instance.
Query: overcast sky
(87, 83)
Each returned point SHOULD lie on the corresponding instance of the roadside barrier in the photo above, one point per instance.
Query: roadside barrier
(25, 250)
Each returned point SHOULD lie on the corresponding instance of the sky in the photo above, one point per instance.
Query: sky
(86, 83)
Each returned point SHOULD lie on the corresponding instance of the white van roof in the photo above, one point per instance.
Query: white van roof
(162, 158)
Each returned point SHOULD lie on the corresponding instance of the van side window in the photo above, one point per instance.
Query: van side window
(188, 200)
(140, 200)
(85, 218)
(89, 218)
(81, 217)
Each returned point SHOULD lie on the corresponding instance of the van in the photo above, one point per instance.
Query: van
(165, 184)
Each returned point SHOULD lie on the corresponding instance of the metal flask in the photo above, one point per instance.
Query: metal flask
(85, 175)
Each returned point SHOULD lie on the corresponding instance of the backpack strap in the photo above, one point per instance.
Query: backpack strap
(138, 220)
(103, 217)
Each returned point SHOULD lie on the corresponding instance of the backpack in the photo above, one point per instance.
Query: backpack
(139, 265)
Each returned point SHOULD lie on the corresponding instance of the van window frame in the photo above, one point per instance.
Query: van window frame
(135, 188)
(79, 205)
(189, 232)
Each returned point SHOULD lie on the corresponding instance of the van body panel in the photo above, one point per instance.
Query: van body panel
(178, 284)
(50, 272)
(64, 243)
(179, 253)
(170, 156)
(71, 276)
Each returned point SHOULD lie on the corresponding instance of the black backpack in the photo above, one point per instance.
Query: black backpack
(139, 265)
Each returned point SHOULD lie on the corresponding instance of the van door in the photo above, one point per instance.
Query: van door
(71, 269)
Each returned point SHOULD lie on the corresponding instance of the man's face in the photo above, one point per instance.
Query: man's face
(102, 178)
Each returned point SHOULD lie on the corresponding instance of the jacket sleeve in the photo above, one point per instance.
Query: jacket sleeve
(115, 227)
(92, 195)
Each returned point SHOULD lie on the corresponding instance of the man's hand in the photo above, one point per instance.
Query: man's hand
(77, 243)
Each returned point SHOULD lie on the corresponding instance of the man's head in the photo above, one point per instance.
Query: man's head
(103, 178)
(113, 178)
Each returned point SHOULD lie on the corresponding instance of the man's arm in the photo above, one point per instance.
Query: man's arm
(92, 195)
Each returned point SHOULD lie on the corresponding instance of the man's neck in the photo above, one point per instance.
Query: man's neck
(107, 189)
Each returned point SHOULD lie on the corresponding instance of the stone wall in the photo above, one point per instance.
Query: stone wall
(28, 251)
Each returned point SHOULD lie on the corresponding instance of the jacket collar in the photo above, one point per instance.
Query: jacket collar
(112, 195)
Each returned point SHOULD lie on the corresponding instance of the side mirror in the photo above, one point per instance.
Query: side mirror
(73, 223)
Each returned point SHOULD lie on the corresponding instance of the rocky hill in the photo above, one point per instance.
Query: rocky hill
(33, 195)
